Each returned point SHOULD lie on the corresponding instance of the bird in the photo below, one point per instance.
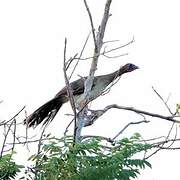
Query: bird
(48, 111)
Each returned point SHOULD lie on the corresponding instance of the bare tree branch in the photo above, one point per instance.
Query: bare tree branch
(98, 42)
(69, 91)
(78, 59)
(98, 46)
(14, 136)
(165, 102)
(5, 122)
(5, 138)
(117, 56)
(160, 145)
(92, 24)
(108, 51)
(168, 118)
(68, 63)
(99, 137)
(131, 123)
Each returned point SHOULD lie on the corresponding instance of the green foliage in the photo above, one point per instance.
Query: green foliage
(8, 168)
(178, 108)
(90, 160)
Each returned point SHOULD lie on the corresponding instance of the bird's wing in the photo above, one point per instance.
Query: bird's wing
(77, 87)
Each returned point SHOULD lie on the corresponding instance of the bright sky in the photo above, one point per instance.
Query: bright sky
(31, 56)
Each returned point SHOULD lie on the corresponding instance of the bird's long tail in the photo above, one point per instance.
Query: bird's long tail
(45, 113)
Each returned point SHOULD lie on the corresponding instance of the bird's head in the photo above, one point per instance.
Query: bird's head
(128, 68)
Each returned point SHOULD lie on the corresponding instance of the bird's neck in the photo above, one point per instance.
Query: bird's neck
(117, 73)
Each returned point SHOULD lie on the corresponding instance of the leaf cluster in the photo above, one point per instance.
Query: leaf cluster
(90, 160)
(8, 168)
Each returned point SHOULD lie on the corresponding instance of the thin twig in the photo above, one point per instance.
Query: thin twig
(66, 130)
(165, 102)
(92, 24)
(131, 123)
(69, 91)
(108, 51)
(117, 56)
(175, 136)
(110, 41)
(99, 137)
(33, 141)
(68, 63)
(5, 138)
(80, 55)
(14, 136)
(5, 122)
(160, 145)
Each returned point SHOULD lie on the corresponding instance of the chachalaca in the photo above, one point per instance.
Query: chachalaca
(48, 111)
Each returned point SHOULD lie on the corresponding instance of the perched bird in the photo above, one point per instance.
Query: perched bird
(48, 111)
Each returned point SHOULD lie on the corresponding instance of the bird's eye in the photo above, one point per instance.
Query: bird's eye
(131, 66)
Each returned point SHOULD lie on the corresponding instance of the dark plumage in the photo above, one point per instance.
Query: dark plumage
(48, 111)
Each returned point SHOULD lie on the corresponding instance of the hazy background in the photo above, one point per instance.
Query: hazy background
(31, 57)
